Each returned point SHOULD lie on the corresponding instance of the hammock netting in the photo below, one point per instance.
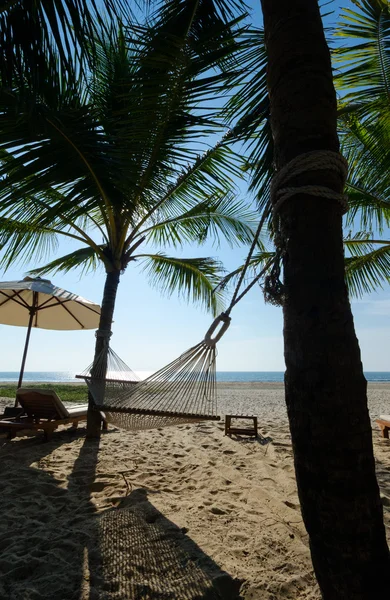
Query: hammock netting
(182, 392)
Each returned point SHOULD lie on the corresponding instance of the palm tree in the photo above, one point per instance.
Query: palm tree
(325, 387)
(111, 162)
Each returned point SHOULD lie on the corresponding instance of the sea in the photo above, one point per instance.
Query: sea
(226, 376)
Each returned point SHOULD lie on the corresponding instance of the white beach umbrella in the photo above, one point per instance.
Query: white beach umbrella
(36, 302)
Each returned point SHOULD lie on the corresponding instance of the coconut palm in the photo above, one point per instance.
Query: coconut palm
(115, 164)
(325, 387)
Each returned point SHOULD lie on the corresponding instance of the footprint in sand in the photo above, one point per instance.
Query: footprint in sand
(287, 468)
(268, 479)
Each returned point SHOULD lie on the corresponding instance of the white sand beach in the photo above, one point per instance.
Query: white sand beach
(179, 513)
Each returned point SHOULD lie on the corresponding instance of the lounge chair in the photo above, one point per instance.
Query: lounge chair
(41, 410)
(384, 425)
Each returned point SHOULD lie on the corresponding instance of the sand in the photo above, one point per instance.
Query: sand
(182, 513)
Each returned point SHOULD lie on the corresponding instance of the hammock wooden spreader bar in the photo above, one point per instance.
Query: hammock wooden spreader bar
(134, 422)
(158, 413)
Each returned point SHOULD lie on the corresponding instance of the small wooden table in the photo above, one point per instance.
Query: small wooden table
(240, 430)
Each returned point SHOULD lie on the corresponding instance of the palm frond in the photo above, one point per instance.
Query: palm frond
(368, 266)
(131, 128)
(83, 258)
(178, 62)
(194, 279)
(21, 240)
(212, 174)
(365, 56)
(257, 263)
(248, 112)
(366, 146)
(215, 218)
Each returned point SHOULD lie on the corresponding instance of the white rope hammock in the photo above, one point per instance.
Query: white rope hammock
(182, 392)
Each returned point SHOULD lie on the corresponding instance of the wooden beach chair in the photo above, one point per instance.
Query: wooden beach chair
(41, 410)
(384, 425)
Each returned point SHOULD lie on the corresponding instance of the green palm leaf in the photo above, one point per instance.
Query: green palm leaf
(83, 258)
(194, 279)
(20, 240)
(258, 262)
(366, 147)
(365, 55)
(368, 266)
(213, 218)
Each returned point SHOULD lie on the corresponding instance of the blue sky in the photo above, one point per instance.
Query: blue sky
(151, 330)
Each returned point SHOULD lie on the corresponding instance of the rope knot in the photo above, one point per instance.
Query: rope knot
(317, 160)
(105, 334)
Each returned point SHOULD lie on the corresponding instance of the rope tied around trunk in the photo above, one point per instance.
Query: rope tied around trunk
(318, 160)
(105, 335)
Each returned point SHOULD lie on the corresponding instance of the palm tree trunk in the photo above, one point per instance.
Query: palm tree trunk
(94, 420)
(325, 386)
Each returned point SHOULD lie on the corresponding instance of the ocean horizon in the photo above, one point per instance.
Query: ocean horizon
(223, 376)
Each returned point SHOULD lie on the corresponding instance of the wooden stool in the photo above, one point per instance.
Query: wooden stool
(240, 430)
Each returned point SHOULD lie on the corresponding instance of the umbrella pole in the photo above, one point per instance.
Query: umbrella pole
(32, 315)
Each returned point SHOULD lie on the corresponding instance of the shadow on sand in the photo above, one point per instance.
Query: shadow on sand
(46, 518)
(145, 555)
(56, 546)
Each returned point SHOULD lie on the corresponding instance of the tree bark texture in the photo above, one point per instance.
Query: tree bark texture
(94, 420)
(325, 387)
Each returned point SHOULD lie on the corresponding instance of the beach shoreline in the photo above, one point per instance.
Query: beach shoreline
(263, 399)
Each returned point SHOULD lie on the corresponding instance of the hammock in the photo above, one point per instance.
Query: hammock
(182, 392)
